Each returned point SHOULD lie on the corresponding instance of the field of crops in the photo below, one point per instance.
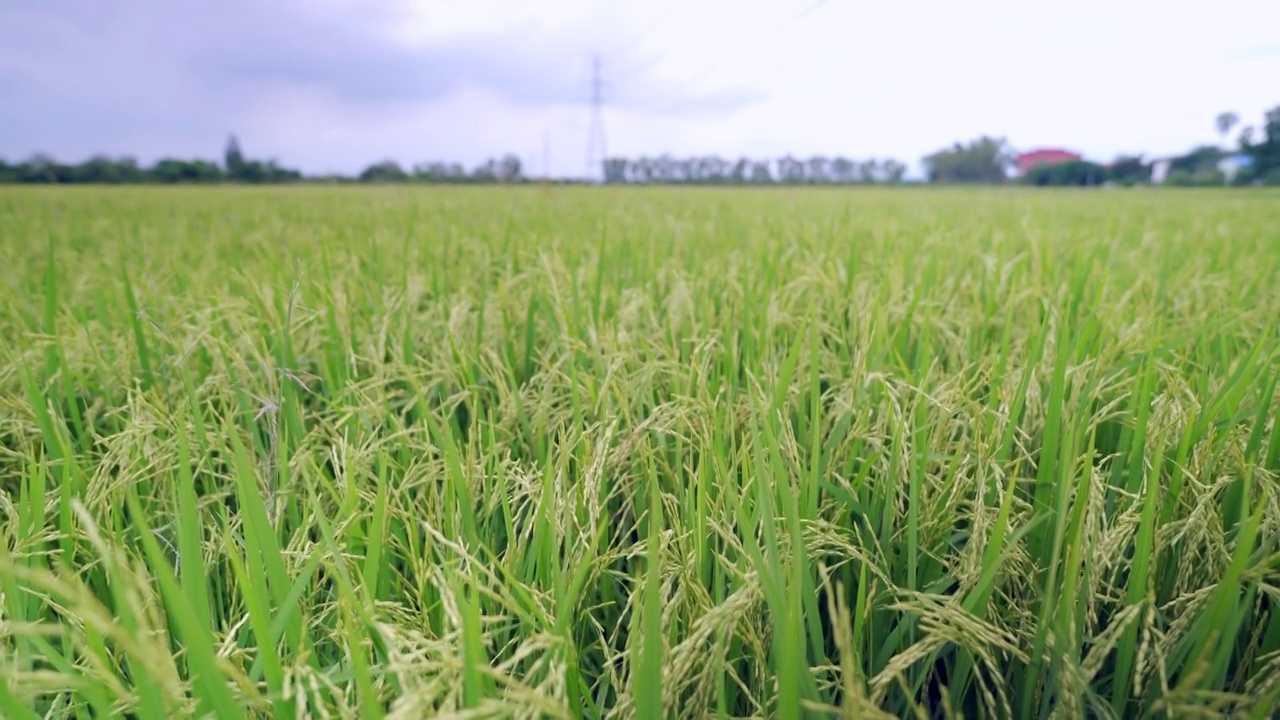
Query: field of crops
(531, 452)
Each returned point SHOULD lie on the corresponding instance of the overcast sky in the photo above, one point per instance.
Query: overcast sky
(332, 85)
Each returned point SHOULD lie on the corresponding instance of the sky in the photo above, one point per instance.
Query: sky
(334, 85)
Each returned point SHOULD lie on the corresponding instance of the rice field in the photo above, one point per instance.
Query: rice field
(595, 453)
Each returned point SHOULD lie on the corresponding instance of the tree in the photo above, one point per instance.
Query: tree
(1076, 172)
(172, 170)
(41, 168)
(1265, 153)
(869, 171)
(509, 168)
(382, 172)
(428, 172)
(1128, 170)
(715, 170)
(1198, 167)
(98, 169)
(700, 169)
(760, 173)
(842, 169)
(984, 160)
(1225, 122)
(682, 169)
(485, 172)
(893, 171)
(790, 170)
(615, 171)
(818, 169)
(233, 158)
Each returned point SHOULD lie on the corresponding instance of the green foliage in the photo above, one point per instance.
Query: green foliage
(104, 170)
(385, 171)
(1225, 122)
(1129, 170)
(1265, 152)
(505, 169)
(1205, 177)
(233, 157)
(714, 170)
(361, 452)
(1075, 173)
(1200, 161)
(258, 172)
(179, 171)
(984, 160)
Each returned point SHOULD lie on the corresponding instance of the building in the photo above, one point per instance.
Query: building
(1160, 169)
(1231, 165)
(1045, 156)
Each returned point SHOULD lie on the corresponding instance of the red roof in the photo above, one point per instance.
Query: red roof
(1047, 156)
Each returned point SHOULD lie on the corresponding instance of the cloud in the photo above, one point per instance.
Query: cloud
(332, 84)
(374, 71)
(239, 50)
(80, 76)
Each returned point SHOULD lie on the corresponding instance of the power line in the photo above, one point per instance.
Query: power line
(596, 147)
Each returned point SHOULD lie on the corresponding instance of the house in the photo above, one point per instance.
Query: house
(1045, 156)
(1160, 169)
(1231, 165)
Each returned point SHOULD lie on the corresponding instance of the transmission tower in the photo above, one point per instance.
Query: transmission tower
(596, 152)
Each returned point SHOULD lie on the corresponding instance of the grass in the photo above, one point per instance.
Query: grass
(362, 453)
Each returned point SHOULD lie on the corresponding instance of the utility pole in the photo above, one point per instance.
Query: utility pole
(596, 151)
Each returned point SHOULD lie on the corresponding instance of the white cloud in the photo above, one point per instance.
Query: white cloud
(336, 84)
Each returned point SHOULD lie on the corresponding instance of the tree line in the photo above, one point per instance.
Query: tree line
(501, 170)
(984, 160)
(101, 169)
(988, 160)
(237, 168)
(713, 170)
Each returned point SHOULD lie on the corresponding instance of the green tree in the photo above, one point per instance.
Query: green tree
(893, 171)
(97, 169)
(984, 160)
(1129, 170)
(510, 169)
(233, 158)
(615, 171)
(1075, 173)
(1197, 167)
(382, 172)
(761, 174)
(170, 170)
(1266, 152)
(41, 168)
(1225, 122)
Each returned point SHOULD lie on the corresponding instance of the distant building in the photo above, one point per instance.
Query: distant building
(1045, 156)
(1231, 165)
(1160, 169)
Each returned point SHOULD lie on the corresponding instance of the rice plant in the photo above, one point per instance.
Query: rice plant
(590, 453)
